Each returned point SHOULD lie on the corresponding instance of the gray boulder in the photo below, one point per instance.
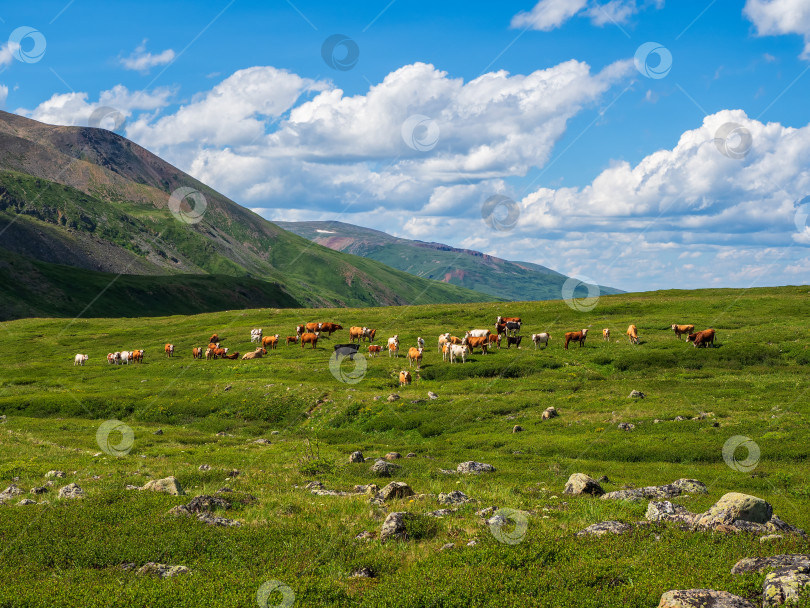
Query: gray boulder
(162, 570)
(785, 585)
(702, 598)
(394, 526)
(474, 467)
(383, 468)
(396, 489)
(71, 491)
(605, 527)
(356, 457)
(666, 511)
(580, 483)
(774, 562)
(735, 506)
(168, 485)
(549, 413)
(456, 497)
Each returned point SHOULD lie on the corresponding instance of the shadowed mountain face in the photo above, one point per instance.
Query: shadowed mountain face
(484, 273)
(97, 202)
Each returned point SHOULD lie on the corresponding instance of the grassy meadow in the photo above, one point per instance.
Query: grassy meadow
(755, 383)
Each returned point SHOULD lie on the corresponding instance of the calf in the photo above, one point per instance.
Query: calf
(446, 351)
(702, 338)
(415, 356)
(393, 346)
(575, 336)
(632, 334)
(309, 338)
(80, 359)
(456, 351)
(540, 339)
(476, 342)
(606, 334)
(683, 329)
(404, 378)
(510, 340)
(374, 350)
(495, 339)
(169, 350)
(292, 339)
(256, 354)
(270, 341)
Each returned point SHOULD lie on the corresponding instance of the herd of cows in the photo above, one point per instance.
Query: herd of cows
(452, 347)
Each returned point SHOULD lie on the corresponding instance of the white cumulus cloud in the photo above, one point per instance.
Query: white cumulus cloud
(142, 60)
(779, 17)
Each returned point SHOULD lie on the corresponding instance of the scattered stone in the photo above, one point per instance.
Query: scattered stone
(129, 486)
(223, 489)
(440, 512)
(227, 388)
(702, 598)
(432, 395)
(517, 428)
(204, 467)
(356, 457)
(158, 432)
(775, 562)
(3, 418)
(162, 570)
(472, 543)
(383, 468)
(410, 455)
(680, 418)
(456, 497)
(363, 572)
(213, 520)
(222, 434)
(676, 488)
(625, 426)
(447, 472)
(393, 397)
(447, 547)
(603, 479)
(371, 489)
(715, 424)
(549, 413)
(785, 585)
(735, 506)
(690, 486)
(263, 441)
(634, 394)
(394, 526)
(39, 490)
(666, 511)
(396, 489)
(10, 491)
(365, 535)
(26, 501)
(179, 510)
(59, 474)
(486, 512)
(275, 433)
(770, 537)
(474, 467)
(168, 485)
(605, 527)
(234, 473)
(579, 483)
(71, 491)
(393, 456)
(207, 502)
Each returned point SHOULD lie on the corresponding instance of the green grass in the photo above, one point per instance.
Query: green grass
(68, 553)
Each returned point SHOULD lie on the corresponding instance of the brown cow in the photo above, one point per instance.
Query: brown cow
(270, 341)
(702, 338)
(196, 353)
(169, 350)
(632, 334)
(606, 334)
(220, 352)
(404, 377)
(313, 327)
(415, 355)
(213, 345)
(507, 320)
(575, 336)
(477, 342)
(683, 329)
(293, 339)
(368, 334)
(455, 340)
(309, 338)
(500, 328)
(231, 356)
(137, 356)
(256, 354)
(330, 328)
(214, 338)
(495, 339)
(356, 333)
(374, 350)
(299, 329)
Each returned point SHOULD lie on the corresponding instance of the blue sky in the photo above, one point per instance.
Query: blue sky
(617, 176)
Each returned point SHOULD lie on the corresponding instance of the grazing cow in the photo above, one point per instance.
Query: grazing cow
(256, 354)
(374, 350)
(313, 327)
(393, 346)
(606, 334)
(683, 329)
(80, 359)
(458, 350)
(309, 338)
(575, 336)
(702, 338)
(420, 343)
(632, 334)
(169, 350)
(369, 334)
(478, 333)
(356, 333)
(330, 328)
(541, 339)
(270, 341)
(405, 378)
(415, 355)
(256, 335)
(125, 357)
(456, 340)
(346, 350)
(299, 329)
(196, 353)
(510, 340)
(214, 338)
(473, 342)
(443, 339)
(293, 339)
(111, 358)
(495, 339)
(231, 355)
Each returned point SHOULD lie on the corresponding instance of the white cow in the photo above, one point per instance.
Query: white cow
(478, 333)
(125, 355)
(393, 346)
(540, 339)
(420, 343)
(443, 339)
(256, 335)
(80, 359)
(458, 350)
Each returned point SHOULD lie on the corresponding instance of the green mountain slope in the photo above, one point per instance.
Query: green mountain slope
(496, 277)
(92, 200)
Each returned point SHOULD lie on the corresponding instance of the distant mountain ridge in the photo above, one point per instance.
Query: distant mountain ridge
(487, 274)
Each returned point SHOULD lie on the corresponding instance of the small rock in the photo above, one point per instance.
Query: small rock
(396, 489)
(365, 535)
(603, 479)
(486, 512)
(702, 598)
(213, 520)
(472, 543)
(432, 395)
(625, 426)
(207, 503)
(383, 468)
(393, 397)
(10, 491)
(168, 485)
(233, 473)
(666, 511)
(275, 433)
(456, 497)
(179, 510)
(770, 537)
(636, 395)
(394, 526)
(356, 457)
(204, 467)
(605, 527)
(775, 562)
(227, 388)
(517, 428)
(158, 432)
(447, 547)
(410, 455)
(3, 418)
(579, 483)
(447, 472)
(71, 491)
(440, 513)
(162, 570)
(129, 486)
(549, 413)
(393, 456)
(364, 572)
(263, 441)
(26, 501)
(39, 490)
(474, 467)
(59, 474)
(679, 418)
(371, 489)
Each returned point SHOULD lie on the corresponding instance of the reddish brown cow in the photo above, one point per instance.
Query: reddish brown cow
(404, 378)
(196, 353)
(374, 350)
(309, 338)
(270, 342)
(214, 338)
(169, 349)
(231, 356)
(495, 339)
(702, 338)
(683, 329)
(330, 328)
(220, 352)
(476, 342)
(575, 336)
(293, 339)
(313, 327)
(299, 329)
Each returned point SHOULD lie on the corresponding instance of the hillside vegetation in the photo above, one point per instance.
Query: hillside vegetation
(754, 383)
